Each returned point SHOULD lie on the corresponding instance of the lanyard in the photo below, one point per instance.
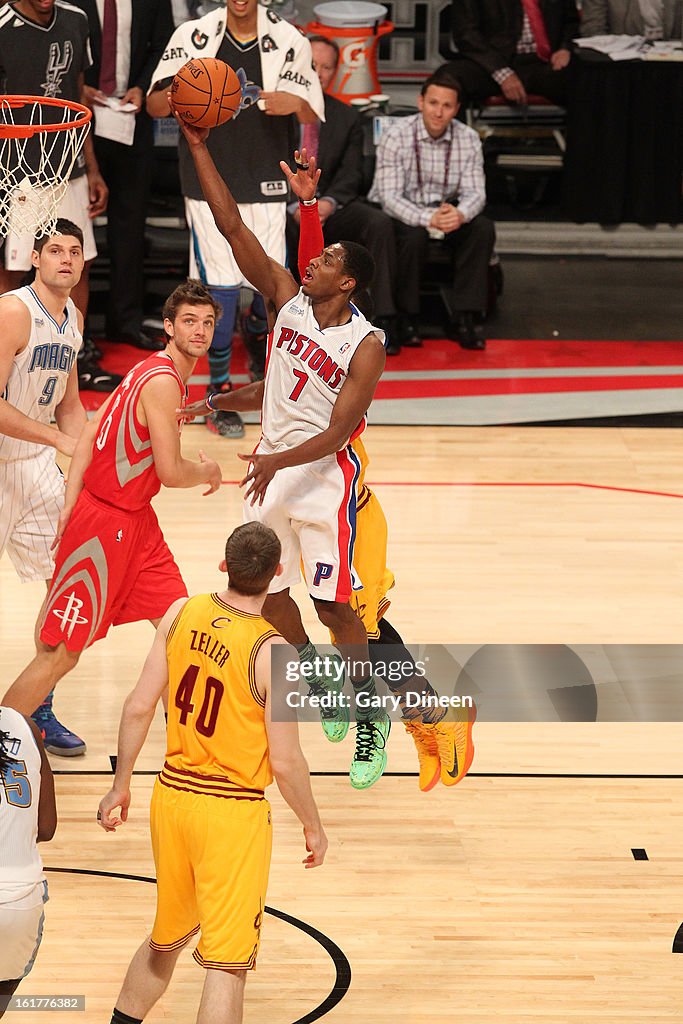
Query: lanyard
(447, 166)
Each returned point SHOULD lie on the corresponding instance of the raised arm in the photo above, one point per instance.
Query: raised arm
(136, 718)
(268, 277)
(354, 400)
(304, 183)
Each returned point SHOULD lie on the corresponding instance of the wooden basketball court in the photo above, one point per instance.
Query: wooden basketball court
(514, 897)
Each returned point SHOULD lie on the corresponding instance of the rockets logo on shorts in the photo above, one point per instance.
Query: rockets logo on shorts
(70, 615)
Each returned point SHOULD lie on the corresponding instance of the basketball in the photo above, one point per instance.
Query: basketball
(206, 92)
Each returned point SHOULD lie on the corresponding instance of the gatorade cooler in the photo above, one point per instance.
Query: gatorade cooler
(356, 28)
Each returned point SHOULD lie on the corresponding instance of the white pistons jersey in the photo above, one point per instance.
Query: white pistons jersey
(306, 370)
(20, 865)
(40, 372)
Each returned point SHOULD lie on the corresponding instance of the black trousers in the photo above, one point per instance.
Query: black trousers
(360, 222)
(470, 249)
(127, 171)
(537, 77)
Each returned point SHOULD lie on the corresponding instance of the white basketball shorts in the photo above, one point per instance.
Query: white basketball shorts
(312, 509)
(21, 928)
(74, 207)
(31, 498)
(211, 258)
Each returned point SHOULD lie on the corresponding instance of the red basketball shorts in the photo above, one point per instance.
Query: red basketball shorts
(112, 567)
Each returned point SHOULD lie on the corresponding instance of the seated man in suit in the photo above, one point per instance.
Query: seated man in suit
(654, 19)
(515, 47)
(429, 177)
(337, 145)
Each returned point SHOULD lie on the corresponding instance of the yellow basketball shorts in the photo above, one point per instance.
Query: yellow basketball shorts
(212, 857)
(370, 563)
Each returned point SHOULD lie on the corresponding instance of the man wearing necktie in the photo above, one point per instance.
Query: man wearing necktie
(514, 47)
(127, 37)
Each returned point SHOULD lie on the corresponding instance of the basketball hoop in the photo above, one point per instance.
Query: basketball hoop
(40, 140)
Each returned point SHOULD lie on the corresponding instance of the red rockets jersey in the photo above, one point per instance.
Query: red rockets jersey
(122, 471)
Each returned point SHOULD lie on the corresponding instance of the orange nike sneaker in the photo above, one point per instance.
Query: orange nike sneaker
(427, 754)
(456, 748)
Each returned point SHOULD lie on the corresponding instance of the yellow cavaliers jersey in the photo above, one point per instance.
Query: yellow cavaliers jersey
(359, 449)
(216, 742)
(370, 553)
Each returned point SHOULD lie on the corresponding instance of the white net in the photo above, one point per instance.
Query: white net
(40, 142)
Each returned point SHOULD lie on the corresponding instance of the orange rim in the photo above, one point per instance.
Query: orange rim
(26, 131)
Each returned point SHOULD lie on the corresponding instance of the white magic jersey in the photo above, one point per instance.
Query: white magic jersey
(305, 372)
(39, 373)
(20, 865)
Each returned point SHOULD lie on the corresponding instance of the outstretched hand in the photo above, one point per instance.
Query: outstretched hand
(304, 180)
(188, 412)
(195, 136)
(261, 471)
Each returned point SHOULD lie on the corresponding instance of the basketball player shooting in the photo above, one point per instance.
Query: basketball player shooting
(324, 362)
(445, 749)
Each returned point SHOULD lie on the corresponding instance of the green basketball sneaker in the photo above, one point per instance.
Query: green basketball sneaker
(370, 756)
(334, 719)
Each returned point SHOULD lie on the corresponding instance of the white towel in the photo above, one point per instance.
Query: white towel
(286, 58)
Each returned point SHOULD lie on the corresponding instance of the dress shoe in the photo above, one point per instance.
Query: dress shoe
(496, 277)
(407, 333)
(494, 286)
(92, 377)
(141, 340)
(478, 344)
(387, 324)
(468, 334)
(89, 350)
